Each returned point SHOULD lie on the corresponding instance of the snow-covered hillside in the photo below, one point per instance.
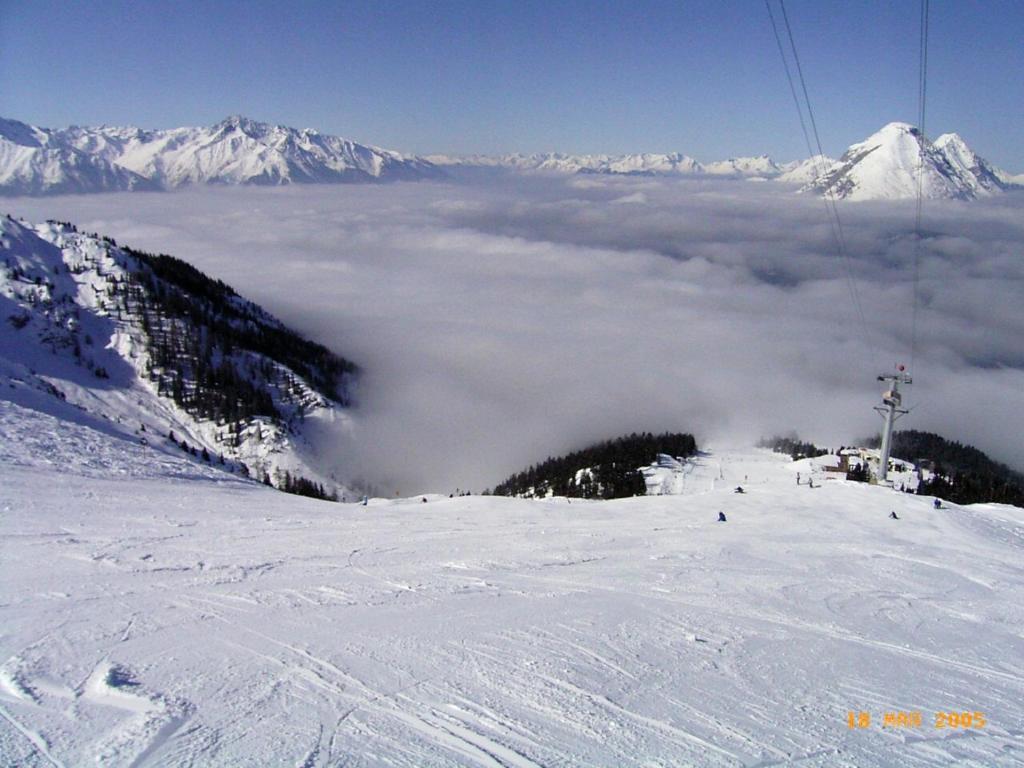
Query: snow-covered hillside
(886, 166)
(235, 151)
(155, 349)
(154, 612)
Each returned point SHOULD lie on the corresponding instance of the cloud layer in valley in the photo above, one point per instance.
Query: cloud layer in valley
(501, 321)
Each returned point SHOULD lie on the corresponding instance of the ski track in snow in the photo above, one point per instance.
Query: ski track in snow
(164, 617)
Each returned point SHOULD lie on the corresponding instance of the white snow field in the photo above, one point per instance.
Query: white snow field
(155, 612)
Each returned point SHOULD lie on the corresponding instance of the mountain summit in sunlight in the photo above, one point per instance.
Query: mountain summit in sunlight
(885, 166)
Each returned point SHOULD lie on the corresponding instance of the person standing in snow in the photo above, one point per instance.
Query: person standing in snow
(721, 517)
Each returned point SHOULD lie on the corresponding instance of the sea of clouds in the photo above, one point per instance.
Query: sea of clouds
(500, 320)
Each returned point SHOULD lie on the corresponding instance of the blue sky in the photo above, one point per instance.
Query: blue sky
(703, 78)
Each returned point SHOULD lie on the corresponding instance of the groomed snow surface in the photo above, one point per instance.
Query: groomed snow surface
(155, 612)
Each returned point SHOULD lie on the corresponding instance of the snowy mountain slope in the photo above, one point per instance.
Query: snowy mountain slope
(805, 171)
(141, 628)
(1010, 179)
(235, 151)
(151, 345)
(885, 167)
(975, 170)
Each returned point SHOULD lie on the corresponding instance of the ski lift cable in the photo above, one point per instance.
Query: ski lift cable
(835, 221)
(830, 197)
(922, 97)
(816, 159)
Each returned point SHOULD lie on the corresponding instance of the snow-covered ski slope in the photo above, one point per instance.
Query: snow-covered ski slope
(156, 612)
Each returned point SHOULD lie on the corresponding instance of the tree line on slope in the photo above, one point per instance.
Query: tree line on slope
(301, 486)
(792, 446)
(961, 473)
(230, 323)
(606, 470)
(222, 358)
(217, 356)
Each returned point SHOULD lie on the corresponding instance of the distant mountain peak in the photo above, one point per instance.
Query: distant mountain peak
(898, 126)
(255, 129)
(887, 166)
(950, 138)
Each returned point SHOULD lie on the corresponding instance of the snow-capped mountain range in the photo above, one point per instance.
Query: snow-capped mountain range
(644, 164)
(37, 161)
(237, 150)
(154, 352)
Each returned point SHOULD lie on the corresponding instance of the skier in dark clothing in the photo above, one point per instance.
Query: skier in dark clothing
(937, 504)
(893, 515)
(739, 489)
(721, 517)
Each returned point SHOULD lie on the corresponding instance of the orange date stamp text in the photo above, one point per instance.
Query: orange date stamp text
(950, 720)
